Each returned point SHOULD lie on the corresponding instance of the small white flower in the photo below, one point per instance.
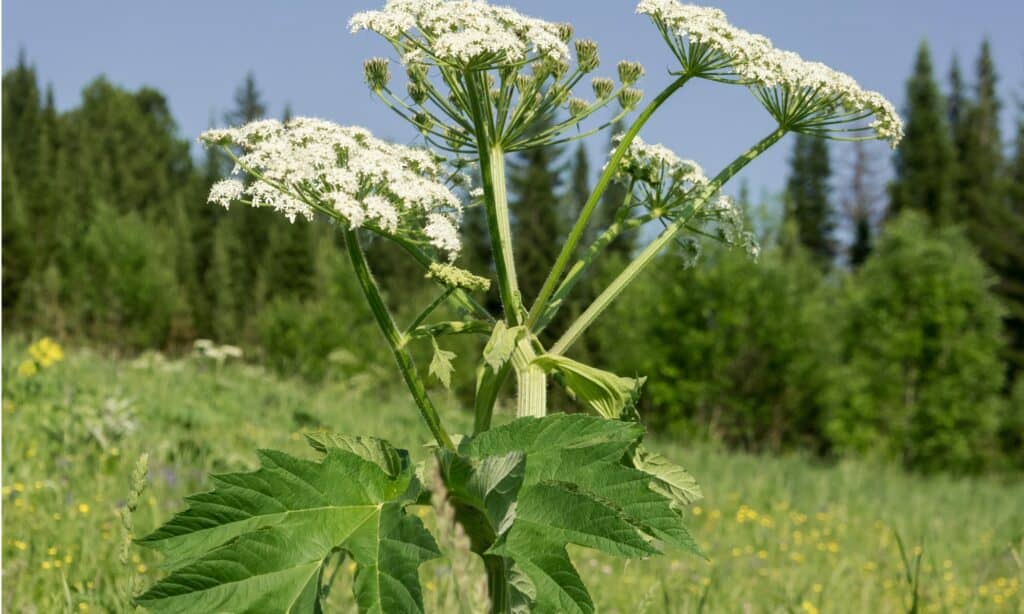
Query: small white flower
(225, 191)
(660, 177)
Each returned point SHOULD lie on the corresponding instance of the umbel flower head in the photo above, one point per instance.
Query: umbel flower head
(672, 187)
(659, 177)
(306, 166)
(803, 96)
(465, 33)
(479, 72)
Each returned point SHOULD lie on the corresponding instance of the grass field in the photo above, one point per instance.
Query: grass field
(783, 534)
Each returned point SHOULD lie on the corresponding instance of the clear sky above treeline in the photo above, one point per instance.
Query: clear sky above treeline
(197, 52)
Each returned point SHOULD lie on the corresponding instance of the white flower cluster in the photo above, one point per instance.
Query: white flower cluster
(723, 219)
(657, 166)
(464, 32)
(309, 163)
(751, 59)
(205, 348)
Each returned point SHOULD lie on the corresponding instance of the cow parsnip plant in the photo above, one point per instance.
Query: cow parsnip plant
(480, 82)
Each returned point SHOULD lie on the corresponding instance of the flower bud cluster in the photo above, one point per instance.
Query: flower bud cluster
(451, 275)
(309, 165)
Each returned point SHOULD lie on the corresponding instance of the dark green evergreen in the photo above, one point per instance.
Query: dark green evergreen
(808, 198)
(925, 162)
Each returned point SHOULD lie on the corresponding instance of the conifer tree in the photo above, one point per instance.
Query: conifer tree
(925, 162)
(249, 104)
(861, 205)
(251, 225)
(982, 207)
(807, 195)
(579, 183)
(1011, 284)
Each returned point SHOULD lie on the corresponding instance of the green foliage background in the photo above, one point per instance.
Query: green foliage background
(889, 327)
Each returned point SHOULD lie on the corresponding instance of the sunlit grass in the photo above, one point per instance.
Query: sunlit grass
(782, 534)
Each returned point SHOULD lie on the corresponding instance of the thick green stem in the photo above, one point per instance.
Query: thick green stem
(492, 173)
(395, 339)
(488, 386)
(595, 197)
(532, 399)
(630, 272)
(498, 589)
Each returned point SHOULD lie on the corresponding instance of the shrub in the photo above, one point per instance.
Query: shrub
(920, 376)
(734, 346)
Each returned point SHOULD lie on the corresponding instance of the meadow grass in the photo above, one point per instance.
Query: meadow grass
(786, 534)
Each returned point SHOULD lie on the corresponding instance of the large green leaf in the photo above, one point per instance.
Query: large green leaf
(257, 542)
(577, 487)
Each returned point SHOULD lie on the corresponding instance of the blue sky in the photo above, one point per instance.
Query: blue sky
(302, 54)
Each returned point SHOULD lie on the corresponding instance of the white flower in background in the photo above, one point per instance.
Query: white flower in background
(659, 167)
(723, 219)
(676, 188)
(464, 32)
(809, 96)
(310, 164)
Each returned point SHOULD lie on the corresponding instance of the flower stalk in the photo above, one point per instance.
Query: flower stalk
(395, 340)
(630, 273)
(569, 248)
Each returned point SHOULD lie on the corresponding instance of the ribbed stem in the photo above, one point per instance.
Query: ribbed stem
(498, 589)
(630, 272)
(499, 225)
(532, 382)
(395, 339)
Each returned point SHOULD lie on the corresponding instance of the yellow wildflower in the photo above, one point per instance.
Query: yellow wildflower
(27, 368)
(46, 352)
(141, 568)
(83, 508)
(809, 607)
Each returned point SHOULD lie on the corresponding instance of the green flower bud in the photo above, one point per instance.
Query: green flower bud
(630, 97)
(417, 72)
(578, 107)
(602, 87)
(417, 91)
(586, 55)
(565, 31)
(377, 73)
(423, 121)
(453, 137)
(525, 83)
(629, 72)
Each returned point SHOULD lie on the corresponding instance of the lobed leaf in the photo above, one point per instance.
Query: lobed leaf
(533, 486)
(257, 542)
